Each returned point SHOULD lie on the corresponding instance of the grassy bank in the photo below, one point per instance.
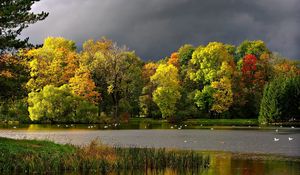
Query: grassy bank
(149, 123)
(203, 122)
(32, 156)
(222, 122)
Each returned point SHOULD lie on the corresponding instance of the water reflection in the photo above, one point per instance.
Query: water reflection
(225, 164)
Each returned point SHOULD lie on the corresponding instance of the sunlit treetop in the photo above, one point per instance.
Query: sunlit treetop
(208, 60)
(256, 48)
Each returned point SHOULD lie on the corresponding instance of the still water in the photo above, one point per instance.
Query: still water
(232, 150)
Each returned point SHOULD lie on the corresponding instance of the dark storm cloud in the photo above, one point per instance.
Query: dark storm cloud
(155, 28)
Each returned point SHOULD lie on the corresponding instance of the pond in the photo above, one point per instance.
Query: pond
(232, 150)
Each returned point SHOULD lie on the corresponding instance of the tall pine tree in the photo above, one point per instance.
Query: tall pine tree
(15, 15)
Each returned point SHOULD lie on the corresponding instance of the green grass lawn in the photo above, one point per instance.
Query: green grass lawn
(223, 122)
(204, 122)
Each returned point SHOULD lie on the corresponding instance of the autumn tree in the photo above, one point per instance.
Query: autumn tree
(213, 69)
(147, 107)
(16, 15)
(174, 60)
(208, 60)
(83, 85)
(282, 66)
(223, 97)
(256, 48)
(254, 73)
(167, 92)
(53, 64)
(116, 72)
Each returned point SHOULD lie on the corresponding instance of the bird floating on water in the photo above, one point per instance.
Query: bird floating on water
(291, 138)
(185, 141)
(292, 127)
(276, 139)
(276, 130)
(211, 128)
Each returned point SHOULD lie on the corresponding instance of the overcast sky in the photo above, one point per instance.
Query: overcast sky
(155, 28)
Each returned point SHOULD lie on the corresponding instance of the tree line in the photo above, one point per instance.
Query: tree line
(57, 83)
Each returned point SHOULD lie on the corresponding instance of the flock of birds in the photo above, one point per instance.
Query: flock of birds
(289, 138)
(277, 139)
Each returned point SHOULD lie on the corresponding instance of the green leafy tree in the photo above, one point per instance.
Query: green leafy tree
(208, 60)
(15, 15)
(280, 100)
(59, 104)
(167, 92)
(213, 69)
(13, 76)
(204, 99)
(256, 47)
(116, 72)
(185, 53)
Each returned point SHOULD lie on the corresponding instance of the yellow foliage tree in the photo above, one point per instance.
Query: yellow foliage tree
(223, 96)
(83, 85)
(53, 64)
(167, 92)
(174, 59)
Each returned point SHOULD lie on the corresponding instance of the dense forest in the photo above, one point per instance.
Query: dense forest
(104, 82)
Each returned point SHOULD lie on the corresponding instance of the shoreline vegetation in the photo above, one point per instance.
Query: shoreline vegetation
(45, 157)
(191, 123)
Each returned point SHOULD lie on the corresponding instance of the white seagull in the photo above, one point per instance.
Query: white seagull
(276, 139)
(291, 138)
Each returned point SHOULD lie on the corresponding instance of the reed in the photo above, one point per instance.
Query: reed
(44, 157)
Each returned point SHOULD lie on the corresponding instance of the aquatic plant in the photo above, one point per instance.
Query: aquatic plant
(24, 156)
